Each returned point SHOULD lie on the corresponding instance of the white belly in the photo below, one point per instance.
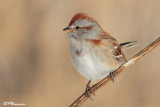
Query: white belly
(90, 66)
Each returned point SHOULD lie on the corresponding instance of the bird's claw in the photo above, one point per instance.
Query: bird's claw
(88, 88)
(111, 74)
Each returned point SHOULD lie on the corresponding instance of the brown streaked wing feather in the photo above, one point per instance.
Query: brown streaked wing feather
(119, 55)
(109, 41)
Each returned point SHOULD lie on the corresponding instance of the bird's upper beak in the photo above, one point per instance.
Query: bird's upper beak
(67, 29)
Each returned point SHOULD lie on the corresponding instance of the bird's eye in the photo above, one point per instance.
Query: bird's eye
(77, 27)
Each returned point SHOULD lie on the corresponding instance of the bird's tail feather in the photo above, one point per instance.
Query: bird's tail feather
(127, 45)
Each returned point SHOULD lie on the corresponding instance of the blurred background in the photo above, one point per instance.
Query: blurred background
(35, 67)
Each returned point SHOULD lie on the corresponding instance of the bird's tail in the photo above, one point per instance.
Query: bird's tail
(127, 45)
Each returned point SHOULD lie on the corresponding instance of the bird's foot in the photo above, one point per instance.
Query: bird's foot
(111, 74)
(88, 88)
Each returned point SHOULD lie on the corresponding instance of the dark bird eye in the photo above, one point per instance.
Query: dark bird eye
(77, 27)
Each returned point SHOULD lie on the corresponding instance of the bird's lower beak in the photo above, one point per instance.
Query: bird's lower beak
(67, 29)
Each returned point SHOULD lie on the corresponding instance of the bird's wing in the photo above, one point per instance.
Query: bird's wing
(116, 49)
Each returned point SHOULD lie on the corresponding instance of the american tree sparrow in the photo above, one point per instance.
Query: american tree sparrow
(94, 53)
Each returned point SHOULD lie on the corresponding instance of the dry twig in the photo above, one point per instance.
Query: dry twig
(103, 82)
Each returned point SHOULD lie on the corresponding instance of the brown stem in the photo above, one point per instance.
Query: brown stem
(103, 82)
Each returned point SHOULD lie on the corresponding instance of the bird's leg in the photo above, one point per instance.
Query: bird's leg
(88, 86)
(111, 74)
(88, 89)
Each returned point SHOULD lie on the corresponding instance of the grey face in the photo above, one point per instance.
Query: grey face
(84, 29)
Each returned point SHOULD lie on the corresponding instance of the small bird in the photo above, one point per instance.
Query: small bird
(94, 52)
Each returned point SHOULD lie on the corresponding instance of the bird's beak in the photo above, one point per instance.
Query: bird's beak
(67, 29)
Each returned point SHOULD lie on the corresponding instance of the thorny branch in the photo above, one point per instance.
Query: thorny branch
(107, 79)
